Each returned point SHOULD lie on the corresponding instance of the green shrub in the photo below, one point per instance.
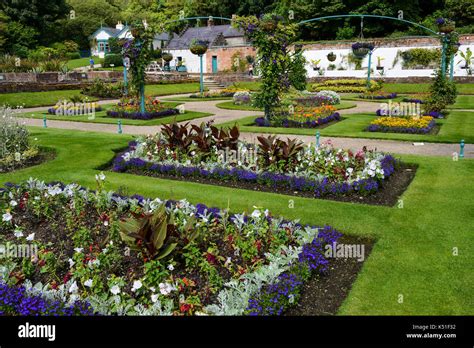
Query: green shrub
(14, 144)
(420, 56)
(101, 89)
(8, 63)
(113, 60)
(73, 55)
(443, 92)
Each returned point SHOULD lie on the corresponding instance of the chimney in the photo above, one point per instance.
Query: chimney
(119, 25)
(210, 21)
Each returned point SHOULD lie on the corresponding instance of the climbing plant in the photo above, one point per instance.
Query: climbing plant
(272, 37)
(140, 52)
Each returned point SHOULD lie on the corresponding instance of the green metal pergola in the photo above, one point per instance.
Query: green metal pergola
(444, 38)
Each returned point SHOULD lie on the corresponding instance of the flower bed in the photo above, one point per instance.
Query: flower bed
(273, 163)
(378, 96)
(106, 258)
(223, 93)
(411, 124)
(413, 100)
(129, 108)
(292, 123)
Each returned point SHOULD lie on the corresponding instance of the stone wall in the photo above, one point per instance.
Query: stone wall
(224, 57)
(465, 39)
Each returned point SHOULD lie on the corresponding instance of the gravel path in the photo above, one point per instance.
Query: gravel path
(224, 115)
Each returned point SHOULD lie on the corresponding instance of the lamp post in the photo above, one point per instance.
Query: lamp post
(368, 69)
(126, 65)
(201, 77)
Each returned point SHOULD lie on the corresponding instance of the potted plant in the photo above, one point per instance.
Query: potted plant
(467, 58)
(379, 62)
(167, 57)
(198, 47)
(315, 64)
(181, 66)
(445, 25)
(361, 49)
(331, 56)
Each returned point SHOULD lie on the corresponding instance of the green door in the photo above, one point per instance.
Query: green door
(214, 64)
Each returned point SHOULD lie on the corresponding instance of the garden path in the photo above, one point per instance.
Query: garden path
(224, 115)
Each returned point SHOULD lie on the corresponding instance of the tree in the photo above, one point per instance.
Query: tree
(36, 15)
(3, 28)
(88, 17)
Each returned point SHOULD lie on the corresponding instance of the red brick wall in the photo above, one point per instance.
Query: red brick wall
(224, 56)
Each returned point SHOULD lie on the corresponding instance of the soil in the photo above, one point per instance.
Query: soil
(324, 294)
(389, 192)
(42, 156)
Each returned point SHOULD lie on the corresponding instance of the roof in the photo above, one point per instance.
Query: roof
(111, 31)
(208, 33)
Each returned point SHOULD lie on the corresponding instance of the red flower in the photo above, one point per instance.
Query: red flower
(258, 244)
(211, 258)
(67, 277)
(184, 307)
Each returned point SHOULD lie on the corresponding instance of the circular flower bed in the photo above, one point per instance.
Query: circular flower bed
(291, 123)
(332, 97)
(242, 98)
(378, 96)
(129, 108)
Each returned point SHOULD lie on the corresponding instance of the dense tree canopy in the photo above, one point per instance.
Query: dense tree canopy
(35, 22)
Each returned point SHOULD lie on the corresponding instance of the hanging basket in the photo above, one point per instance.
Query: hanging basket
(198, 47)
(167, 57)
(331, 57)
(445, 26)
(361, 49)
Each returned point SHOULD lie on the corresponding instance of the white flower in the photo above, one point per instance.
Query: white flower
(7, 217)
(154, 298)
(371, 172)
(136, 285)
(166, 288)
(73, 287)
(100, 177)
(18, 233)
(30, 237)
(256, 214)
(170, 267)
(88, 283)
(71, 263)
(13, 203)
(115, 290)
(78, 250)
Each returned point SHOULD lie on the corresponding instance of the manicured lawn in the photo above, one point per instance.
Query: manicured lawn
(400, 88)
(229, 105)
(459, 125)
(464, 102)
(413, 254)
(101, 117)
(79, 63)
(355, 97)
(188, 99)
(408, 88)
(33, 99)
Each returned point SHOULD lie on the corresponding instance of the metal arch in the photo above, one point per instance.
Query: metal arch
(200, 17)
(369, 16)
